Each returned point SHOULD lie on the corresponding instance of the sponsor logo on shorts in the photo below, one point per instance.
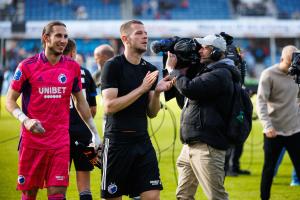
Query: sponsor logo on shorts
(112, 188)
(21, 179)
(60, 178)
(18, 74)
(62, 78)
(155, 182)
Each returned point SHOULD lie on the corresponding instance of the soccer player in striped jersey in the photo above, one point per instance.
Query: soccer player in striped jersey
(46, 81)
(79, 132)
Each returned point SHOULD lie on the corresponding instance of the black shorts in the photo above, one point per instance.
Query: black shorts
(80, 160)
(129, 169)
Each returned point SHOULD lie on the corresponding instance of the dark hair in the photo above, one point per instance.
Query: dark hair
(127, 25)
(47, 30)
(70, 46)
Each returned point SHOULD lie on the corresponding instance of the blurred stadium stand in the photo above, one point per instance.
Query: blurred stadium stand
(149, 9)
(260, 27)
(179, 10)
(70, 10)
(288, 9)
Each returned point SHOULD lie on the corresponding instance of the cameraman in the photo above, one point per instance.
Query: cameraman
(278, 110)
(203, 119)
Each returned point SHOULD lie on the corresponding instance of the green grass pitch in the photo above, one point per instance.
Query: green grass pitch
(242, 187)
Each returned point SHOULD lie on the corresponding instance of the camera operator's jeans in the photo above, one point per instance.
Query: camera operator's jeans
(203, 164)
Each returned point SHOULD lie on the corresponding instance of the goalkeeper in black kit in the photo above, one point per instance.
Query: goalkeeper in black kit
(80, 136)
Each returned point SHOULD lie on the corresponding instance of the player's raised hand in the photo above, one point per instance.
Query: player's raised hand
(149, 80)
(165, 84)
(34, 125)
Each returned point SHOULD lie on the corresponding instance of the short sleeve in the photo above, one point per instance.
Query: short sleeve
(77, 85)
(20, 77)
(110, 75)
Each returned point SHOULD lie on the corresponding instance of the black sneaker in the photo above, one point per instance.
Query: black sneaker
(243, 172)
(231, 173)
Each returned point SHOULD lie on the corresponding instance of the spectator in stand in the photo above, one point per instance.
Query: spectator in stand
(106, 1)
(164, 7)
(185, 4)
(81, 13)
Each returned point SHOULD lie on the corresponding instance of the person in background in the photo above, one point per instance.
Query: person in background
(278, 109)
(101, 54)
(79, 58)
(79, 132)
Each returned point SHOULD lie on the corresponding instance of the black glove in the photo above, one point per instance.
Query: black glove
(94, 156)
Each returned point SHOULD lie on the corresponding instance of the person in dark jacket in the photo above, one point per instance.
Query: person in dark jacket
(203, 119)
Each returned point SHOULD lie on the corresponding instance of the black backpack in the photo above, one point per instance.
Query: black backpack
(239, 120)
(240, 117)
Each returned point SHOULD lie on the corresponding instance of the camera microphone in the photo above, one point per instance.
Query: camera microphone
(155, 47)
(163, 45)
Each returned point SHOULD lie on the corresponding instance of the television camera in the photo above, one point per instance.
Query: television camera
(186, 50)
(294, 69)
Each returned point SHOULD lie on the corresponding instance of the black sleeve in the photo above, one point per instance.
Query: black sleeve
(91, 91)
(173, 92)
(110, 74)
(205, 86)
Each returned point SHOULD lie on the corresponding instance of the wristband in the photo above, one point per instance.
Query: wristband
(17, 113)
(92, 126)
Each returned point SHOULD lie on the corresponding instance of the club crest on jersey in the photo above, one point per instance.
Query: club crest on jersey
(112, 188)
(21, 179)
(18, 74)
(62, 78)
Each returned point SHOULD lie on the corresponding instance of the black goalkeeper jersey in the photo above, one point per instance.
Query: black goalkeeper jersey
(77, 125)
(119, 73)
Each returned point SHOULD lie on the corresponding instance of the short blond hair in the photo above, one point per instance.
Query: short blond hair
(125, 27)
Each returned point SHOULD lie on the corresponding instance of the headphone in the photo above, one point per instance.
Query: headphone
(216, 53)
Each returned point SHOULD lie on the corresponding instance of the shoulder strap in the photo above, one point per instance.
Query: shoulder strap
(224, 66)
(227, 67)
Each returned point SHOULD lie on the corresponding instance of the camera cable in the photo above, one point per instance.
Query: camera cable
(173, 143)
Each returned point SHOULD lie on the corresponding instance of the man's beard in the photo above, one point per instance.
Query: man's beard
(140, 51)
(206, 61)
(53, 51)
